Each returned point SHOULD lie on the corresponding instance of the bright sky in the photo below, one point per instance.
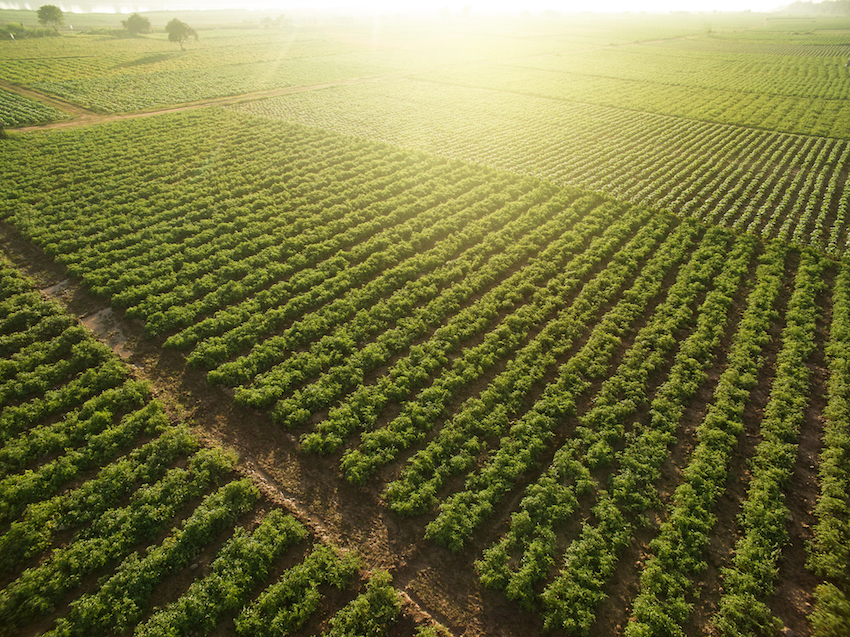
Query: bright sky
(413, 6)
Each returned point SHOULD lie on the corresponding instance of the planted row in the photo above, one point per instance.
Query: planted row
(677, 551)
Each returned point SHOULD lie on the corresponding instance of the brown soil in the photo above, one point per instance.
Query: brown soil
(438, 584)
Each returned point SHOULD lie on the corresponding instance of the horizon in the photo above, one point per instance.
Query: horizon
(417, 7)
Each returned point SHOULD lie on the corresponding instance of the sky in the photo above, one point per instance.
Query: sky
(411, 6)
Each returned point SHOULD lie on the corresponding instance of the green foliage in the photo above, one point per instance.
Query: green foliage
(743, 614)
(16, 110)
(112, 535)
(749, 583)
(33, 532)
(831, 617)
(180, 32)
(371, 613)
(516, 451)
(136, 24)
(829, 549)
(285, 606)
(488, 416)
(50, 15)
(661, 606)
(122, 599)
(242, 563)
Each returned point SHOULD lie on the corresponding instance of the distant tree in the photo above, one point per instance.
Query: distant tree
(137, 24)
(279, 21)
(50, 15)
(180, 32)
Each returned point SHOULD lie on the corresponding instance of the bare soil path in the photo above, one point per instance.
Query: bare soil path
(437, 583)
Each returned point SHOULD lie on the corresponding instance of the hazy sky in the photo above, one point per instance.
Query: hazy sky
(418, 6)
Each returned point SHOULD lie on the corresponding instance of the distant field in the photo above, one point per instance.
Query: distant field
(105, 72)
(548, 318)
(16, 110)
(737, 120)
(763, 182)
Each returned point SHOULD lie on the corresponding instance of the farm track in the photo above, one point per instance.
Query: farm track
(437, 583)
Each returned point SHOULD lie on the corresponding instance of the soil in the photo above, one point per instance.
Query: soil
(437, 583)
(434, 583)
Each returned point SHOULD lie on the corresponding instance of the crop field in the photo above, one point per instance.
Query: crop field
(500, 345)
(109, 470)
(16, 110)
(115, 75)
(762, 182)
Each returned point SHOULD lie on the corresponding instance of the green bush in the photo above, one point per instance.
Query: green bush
(369, 614)
(831, 617)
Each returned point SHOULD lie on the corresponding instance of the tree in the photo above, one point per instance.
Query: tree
(50, 15)
(180, 32)
(137, 24)
(279, 21)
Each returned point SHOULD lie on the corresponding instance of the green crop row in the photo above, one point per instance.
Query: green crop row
(749, 581)
(104, 500)
(661, 606)
(591, 558)
(829, 550)
(756, 180)
(17, 110)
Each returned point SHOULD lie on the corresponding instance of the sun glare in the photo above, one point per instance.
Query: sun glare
(421, 6)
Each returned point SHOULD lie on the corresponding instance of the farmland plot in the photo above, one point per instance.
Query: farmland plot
(766, 183)
(563, 389)
(115, 517)
(16, 110)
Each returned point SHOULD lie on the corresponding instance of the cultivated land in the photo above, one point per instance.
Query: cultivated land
(519, 326)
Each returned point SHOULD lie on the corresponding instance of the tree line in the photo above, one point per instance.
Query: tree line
(178, 31)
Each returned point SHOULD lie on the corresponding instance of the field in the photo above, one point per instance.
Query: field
(116, 471)
(525, 326)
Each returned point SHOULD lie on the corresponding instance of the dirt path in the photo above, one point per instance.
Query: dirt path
(72, 109)
(437, 583)
(84, 117)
